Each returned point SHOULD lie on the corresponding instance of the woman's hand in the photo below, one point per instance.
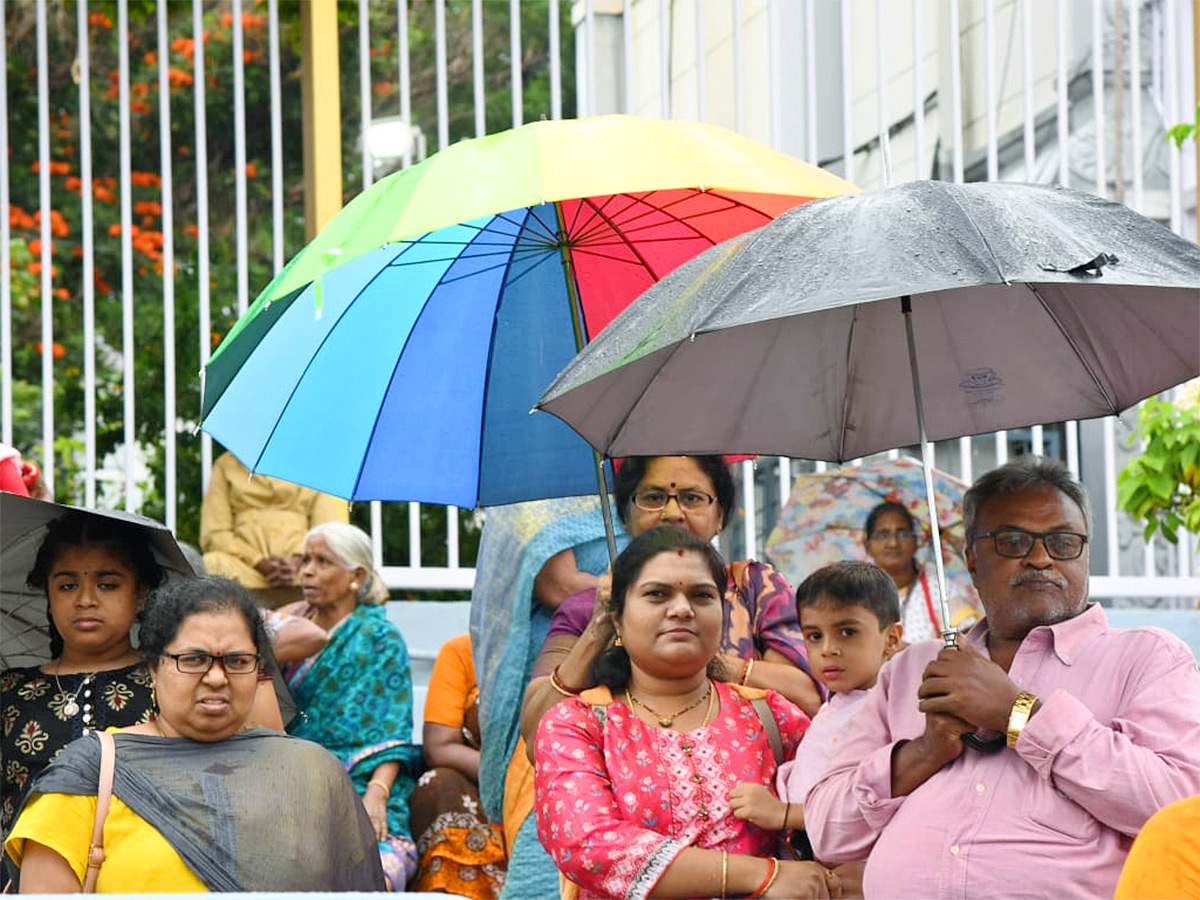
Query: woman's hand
(807, 880)
(375, 802)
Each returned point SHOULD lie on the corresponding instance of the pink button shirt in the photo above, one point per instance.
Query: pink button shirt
(826, 733)
(1116, 738)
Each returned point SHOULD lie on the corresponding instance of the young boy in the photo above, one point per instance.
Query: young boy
(850, 617)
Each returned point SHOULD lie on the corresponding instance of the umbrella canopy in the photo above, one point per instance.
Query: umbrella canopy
(823, 519)
(1029, 304)
(23, 520)
(412, 336)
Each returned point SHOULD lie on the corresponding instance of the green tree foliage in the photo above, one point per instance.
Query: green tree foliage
(130, 263)
(1161, 486)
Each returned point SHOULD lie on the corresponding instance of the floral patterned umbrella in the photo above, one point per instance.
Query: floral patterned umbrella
(823, 521)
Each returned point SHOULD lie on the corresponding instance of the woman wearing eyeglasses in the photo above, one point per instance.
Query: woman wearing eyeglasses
(199, 802)
(355, 696)
(891, 542)
(761, 642)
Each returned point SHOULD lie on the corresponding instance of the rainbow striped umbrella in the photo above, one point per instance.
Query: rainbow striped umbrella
(398, 356)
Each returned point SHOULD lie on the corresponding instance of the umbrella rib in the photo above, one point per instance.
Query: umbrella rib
(1067, 336)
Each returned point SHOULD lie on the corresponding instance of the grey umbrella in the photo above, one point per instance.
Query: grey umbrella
(920, 312)
(25, 639)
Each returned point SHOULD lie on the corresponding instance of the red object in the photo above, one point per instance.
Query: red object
(11, 479)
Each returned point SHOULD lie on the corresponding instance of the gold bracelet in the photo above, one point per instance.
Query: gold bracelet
(1022, 708)
(559, 686)
(746, 672)
(724, 872)
(387, 788)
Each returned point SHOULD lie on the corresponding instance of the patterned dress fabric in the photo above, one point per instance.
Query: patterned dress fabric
(618, 800)
(355, 700)
(460, 851)
(37, 727)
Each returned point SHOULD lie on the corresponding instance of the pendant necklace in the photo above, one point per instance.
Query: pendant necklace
(71, 706)
(668, 721)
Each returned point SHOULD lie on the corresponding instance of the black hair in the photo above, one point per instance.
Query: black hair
(124, 540)
(1018, 474)
(612, 668)
(633, 470)
(887, 507)
(173, 604)
(852, 583)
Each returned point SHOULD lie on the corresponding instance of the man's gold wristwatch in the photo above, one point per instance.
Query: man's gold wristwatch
(1022, 708)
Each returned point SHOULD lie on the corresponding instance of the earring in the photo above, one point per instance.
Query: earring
(354, 585)
(618, 642)
(154, 699)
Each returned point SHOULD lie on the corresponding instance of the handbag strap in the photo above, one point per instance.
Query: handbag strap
(770, 726)
(108, 764)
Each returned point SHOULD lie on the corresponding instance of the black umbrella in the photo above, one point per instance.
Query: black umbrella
(25, 640)
(920, 312)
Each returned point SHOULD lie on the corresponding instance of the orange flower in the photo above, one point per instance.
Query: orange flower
(184, 150)
(147, 208)
(178, 77)
(114, 230)
(252, 20)
(151, 58)
(57, 167)
(57, 349)
(35, 247)
(146, 179)
(148, 221)
(18, 218)
(183, 46)
(35, 268)
(64, 133)
(226, 20)
(62, 294)
(103, 193)
(251, 170)
(139, 89)
(383, 88)
(101, 19)
(113, 92)
(74, 183)
(114, 76)
(191, 231)
(58, 224)
(251, 56)
(77, 252)
(139, 107)
(216, 339)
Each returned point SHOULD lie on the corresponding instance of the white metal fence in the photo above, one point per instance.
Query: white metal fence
(193, 115)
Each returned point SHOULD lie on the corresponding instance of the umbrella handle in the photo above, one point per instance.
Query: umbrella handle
(972, 740)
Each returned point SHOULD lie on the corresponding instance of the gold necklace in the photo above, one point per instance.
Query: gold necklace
(668, 721)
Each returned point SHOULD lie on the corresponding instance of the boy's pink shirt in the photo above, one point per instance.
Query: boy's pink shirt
(825, 735)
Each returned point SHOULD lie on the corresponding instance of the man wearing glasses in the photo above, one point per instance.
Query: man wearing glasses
(1096, 728)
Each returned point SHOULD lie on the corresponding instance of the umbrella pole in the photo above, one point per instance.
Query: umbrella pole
(949, 635)
(610, 535)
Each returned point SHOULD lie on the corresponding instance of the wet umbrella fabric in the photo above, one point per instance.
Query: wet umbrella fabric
(25, 640)
(1029, 305)
(398, 355)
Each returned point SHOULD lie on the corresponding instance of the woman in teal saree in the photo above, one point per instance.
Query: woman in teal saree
(355, 696)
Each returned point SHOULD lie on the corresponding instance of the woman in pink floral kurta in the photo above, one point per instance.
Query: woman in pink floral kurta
(632, 803)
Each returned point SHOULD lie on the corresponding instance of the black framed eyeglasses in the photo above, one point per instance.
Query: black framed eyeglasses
(654, 500)
(194, 662)
(1017, 543)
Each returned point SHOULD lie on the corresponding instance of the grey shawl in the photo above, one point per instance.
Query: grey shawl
(259, 811)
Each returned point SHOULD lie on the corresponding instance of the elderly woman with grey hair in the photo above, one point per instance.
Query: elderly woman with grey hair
(355, 696)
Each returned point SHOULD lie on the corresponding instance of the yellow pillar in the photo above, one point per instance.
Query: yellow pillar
(321, 98)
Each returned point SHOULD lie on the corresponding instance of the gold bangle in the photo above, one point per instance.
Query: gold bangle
(387, 788)
(724, 872)
(559, 686)
(746, 672)
(1022, 708)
